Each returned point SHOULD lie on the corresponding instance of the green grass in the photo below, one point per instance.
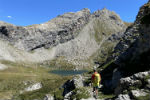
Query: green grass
(80, 93)
(102, 29)
(147, 97)
(107, 64)
(58, 94)
(146, 78)
(104, 96)
(59, 63)
(12, 81)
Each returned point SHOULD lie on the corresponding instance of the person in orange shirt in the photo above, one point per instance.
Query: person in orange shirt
(96, 78)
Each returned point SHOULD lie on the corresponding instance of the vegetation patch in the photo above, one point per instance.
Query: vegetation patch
(59, 63)
(80, 93)
(18, 77)
(105, 96)
(147, 97)
(58, 94)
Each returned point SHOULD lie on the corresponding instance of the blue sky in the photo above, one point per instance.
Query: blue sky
(27, 12)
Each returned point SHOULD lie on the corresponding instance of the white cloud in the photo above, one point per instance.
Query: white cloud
(9, 17)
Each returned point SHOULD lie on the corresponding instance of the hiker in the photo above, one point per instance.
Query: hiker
(96, 78)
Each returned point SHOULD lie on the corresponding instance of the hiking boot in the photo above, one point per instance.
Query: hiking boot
(96, 97)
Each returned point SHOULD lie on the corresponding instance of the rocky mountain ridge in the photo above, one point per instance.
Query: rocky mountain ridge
(51, 33)
(76, 37)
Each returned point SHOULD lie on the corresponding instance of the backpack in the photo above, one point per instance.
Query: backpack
(97, 78)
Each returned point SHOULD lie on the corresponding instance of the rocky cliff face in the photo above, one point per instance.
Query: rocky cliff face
(135, 44)
(58, 30)
(132, 56)
(77, 37)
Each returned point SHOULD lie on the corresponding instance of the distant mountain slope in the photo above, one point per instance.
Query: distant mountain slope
(58, 30)
(77, 37)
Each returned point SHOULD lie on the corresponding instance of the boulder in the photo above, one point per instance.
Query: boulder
(138, 93)
(2, 67)
(135, 81)
(48, 97)
(141, 75)
(123, 97)
(70, 85)
(116, 77)
(34, 87)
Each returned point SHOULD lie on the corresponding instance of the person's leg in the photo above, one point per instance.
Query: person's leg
(96, 90)
(93, 89)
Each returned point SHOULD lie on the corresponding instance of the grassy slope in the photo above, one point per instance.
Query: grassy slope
(12, 81)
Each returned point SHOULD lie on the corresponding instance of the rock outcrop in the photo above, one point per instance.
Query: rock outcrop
(131, 60)
(134, 46)
(35, 86)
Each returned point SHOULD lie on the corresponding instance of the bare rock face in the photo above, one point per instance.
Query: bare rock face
(59, 30)
(48, 97)
(123, 97)
(136, 81)
(133, 49)
(138, 93)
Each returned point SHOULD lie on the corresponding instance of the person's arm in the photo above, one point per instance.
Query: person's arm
(100, 77)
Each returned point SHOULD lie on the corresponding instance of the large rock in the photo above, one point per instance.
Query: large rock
(135, 81)
(72, 84)
(34, 87)
(115, 78)
(48, 97)
(123, 97)
(2, 67)
(141, 75)
(138, 93)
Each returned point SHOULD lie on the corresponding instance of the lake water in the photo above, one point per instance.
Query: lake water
(68, 72)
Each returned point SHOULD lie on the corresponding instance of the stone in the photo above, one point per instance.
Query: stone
(48, 97)
(115, 78)
(67, 96)
(78, 81)
(132, 81)
(148, 81)
(123, 97)
(138, 93)
(3, 67)
(34, 87)
(141, 75)
(72, 84)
